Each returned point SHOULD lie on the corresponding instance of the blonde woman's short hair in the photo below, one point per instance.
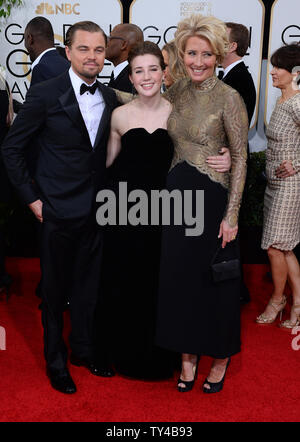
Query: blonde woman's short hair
(208, 27)
(176, 69)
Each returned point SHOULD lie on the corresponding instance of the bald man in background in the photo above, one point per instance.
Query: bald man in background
(122, 38)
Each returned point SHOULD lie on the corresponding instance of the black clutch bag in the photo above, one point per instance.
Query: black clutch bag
(225, 270)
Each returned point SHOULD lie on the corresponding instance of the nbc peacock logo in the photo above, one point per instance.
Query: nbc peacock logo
(51, 9)
(44, 8)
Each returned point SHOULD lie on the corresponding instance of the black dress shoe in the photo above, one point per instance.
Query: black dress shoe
(97, 370)
(62, 381)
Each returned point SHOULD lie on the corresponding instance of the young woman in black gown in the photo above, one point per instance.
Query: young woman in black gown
(140, 152)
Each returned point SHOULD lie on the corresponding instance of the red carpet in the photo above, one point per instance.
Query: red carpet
(262, 384)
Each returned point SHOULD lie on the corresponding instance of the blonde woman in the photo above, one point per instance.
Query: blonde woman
(196, 316)
(173, 70)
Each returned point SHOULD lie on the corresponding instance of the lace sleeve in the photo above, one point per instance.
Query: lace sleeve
(236, 127)
(174, 91)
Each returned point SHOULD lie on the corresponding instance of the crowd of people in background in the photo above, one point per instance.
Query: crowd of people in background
(141, 298)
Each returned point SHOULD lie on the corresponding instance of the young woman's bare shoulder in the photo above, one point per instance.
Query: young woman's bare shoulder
(122, 111)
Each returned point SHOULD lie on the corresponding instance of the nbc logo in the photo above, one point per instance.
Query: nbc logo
(63, 8)
(44, 8)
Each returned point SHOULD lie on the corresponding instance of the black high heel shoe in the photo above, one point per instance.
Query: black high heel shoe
(215, 387)
(5, 283)
(188, 384)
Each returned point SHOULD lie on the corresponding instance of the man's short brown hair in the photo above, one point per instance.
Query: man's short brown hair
(240, 35)
(88, 26)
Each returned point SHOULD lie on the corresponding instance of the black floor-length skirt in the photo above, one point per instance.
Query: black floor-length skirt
(196, 315)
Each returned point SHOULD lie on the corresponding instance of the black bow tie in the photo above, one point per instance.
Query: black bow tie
(91, 89)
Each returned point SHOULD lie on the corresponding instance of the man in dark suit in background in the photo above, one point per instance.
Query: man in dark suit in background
(122, 38)
(39, 43)
(70, 117)
(236, 73)
(239, 78)
(47, 62)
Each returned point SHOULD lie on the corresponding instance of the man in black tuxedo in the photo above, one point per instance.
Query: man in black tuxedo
(236, 73)
(70, 117)
(122, 38)
(47, 63)
(239, 78)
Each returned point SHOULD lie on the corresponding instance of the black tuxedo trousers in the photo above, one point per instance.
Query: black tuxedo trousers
(70, 265)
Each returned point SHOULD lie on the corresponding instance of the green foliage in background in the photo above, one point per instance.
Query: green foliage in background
(253, 200)
(6, 5)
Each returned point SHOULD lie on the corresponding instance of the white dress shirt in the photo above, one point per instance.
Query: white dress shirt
(91, 106)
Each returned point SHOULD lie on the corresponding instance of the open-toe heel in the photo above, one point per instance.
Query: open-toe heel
(289, 323)
(277, 308)
(188, 385)
(215, 387)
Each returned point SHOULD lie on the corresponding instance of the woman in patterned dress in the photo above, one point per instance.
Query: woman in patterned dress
(281, 228)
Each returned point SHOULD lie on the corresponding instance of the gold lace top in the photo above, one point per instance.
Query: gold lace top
(204, 118)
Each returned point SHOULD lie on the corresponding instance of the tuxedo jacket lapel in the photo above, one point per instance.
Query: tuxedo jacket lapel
(71, 107)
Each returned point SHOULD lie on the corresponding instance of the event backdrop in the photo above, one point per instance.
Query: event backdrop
(158, 20)
(13, 56)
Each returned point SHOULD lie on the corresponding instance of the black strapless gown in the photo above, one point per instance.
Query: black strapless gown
(132, 260)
